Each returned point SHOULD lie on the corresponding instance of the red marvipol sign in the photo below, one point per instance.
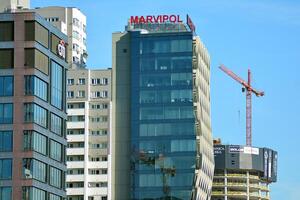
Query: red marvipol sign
(149, 19)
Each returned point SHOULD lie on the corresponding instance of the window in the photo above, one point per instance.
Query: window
(5, 169)
(81, 94)
(5, 193)
(70, 81)
(34, 169)
(99, 132)
(6, 31)
(75, 144)
(36, 86)
(54, 197)
(56, 85)
(6, 141)
(75, 131)
(97, 184)
(76, 118)
(56, 124)
(75, 197)
(75, 158)
(99, 106)
(76, 59)
(99, 119)
(99, 81)
(102, 145)
(81, 81)
(75, 171)
(36, 114)
(76, 35)
(6, 85)
(36, 59)
(75, 105)
(70, 94)
(32, 193)
(183, 145)
(34, 141)
(98, 94)
(6, 113)
(55, 177)
(6, 58)
(36, 32)
(75, 184)
(55, 150)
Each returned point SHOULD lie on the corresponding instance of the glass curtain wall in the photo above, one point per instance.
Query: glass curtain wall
(163, 134)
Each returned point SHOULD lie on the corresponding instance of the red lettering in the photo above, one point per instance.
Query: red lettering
(173, 18)
(156, 18)
(178, 19)
(149, 19)
(134, 19)
(142, 20)
(165, 18)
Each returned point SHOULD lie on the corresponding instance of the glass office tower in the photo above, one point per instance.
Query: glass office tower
(32, 108)
(165, 100)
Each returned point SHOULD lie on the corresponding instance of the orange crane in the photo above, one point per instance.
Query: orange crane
(249, 90)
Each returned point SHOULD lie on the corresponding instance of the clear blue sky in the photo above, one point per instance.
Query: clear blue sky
(262, 34)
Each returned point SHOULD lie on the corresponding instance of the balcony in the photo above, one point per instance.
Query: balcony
(75, 164)
(75, 138)
(75, 177)
(79, 111)
(98, 165)
(75, 191)
(75, 125)
(75, 151)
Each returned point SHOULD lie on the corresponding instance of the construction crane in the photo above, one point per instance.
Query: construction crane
(249, 90)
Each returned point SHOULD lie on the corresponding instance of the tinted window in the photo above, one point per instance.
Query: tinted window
(6, 113)
(6, 140)
(6, 31)
(6, 58)
(6, 85)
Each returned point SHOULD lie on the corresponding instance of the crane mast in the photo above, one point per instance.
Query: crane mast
(249, 90)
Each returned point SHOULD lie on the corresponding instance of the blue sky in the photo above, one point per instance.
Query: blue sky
(261, 34)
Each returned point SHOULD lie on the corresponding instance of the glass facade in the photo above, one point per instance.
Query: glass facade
(5, 193)
(36, 86)
(34, 169)
(6, 141)
(6, 86)
(6, 58)
(32, 193)
(5, 169)
(55, 177)
(56, 150)
(6, 113)
(162, 117)
(34, 141)
(36, 114)
(56, 124)
(57, 85)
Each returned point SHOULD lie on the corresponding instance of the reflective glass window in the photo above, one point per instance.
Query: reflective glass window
(34, 169)
(35, 114)
(5, 193)
(6, 85)
(55, 150)
(6, 58)
(36, 59)
(36, 32)
(6, 31)
(6, 113)
(56, 85)
(5, 168)
(32, 193)
(56, 124)
(34, 141)
(6, 141)
(55, 177)
(36, 86)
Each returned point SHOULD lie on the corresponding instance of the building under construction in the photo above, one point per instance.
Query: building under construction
(243, 172)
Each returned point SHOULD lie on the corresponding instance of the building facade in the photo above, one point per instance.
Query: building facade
(32, 108)
(12, 5)
(72, 22)
(88, 134)
(243, 172)
(161, 132)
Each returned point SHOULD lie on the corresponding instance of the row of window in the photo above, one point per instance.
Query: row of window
(80, 197)
(33, 193)
(100, 132)
(34, 141)
(158, 113)
(81, 94)
(181, 145)
(174, 79)
(166, 96)
(90, 184)
(91, 159)
(34, 113)
(79, 171)
(95, 81)
(35, 169)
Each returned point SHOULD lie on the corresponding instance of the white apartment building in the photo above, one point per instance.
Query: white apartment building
(88, 134)
(12, 5)
(72, 22)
